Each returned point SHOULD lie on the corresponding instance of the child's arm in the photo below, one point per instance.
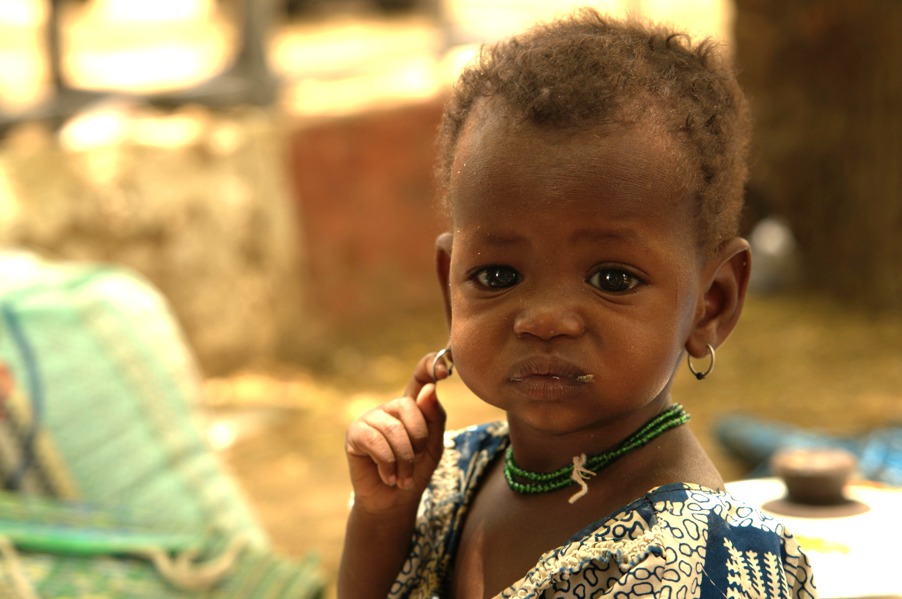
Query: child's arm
(392, 452)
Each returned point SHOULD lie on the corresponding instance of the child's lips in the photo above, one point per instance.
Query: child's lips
(548, 378)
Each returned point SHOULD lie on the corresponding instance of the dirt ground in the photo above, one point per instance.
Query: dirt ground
(795, 359)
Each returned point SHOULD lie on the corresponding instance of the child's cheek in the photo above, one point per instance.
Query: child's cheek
(475, 355)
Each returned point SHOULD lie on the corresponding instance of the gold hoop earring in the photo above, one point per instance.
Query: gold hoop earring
(702, 375)
(445, 357)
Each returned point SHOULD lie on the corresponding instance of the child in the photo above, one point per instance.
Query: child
(593, 174)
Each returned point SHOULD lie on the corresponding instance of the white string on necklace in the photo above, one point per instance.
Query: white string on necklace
(580, 475)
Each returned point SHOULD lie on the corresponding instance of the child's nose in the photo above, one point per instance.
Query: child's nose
(549, 319)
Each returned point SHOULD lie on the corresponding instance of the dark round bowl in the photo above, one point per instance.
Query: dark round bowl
(814, 476)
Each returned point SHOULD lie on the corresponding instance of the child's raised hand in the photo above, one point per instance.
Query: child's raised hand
(394, 449)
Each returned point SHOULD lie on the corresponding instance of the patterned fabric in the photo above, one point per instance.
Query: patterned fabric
(679, 540)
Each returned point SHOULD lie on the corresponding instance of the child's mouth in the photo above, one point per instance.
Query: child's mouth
(546, 377)
(580, 378)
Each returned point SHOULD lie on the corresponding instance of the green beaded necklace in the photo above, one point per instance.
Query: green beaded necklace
(526, 482)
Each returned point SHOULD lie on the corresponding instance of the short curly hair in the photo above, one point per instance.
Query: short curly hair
(587, 70)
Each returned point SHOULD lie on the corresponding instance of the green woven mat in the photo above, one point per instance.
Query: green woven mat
(104, 406)
(65, 528)
(103, 366)
(50, 548)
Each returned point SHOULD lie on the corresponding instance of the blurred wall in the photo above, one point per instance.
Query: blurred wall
(826, 92)
(208, 217)
(364, 186)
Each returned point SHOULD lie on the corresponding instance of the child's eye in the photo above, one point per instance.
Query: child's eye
(614, 280)
(497, 277)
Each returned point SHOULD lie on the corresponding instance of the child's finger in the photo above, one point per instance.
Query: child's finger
(383, 437)
(427, 402)
(408, 413)
(412, 418)
(368, 442)
(422, 374)
(440, 365)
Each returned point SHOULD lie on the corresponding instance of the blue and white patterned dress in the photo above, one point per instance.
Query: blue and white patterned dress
(679, 540)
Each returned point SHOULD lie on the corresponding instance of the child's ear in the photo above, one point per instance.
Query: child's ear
(443, 267)
(721, 303)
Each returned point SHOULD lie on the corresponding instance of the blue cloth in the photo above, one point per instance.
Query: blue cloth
(755, 440)
(678, 540)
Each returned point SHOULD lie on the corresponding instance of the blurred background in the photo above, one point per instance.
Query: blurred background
(267, 165)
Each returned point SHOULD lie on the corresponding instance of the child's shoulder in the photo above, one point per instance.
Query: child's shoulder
(700, 524)
(689, 503)
(680, 536)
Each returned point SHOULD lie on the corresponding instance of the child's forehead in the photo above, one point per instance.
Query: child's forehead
(492, 124)
(497, 148)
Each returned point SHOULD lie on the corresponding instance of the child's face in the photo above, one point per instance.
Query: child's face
(574, 275)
